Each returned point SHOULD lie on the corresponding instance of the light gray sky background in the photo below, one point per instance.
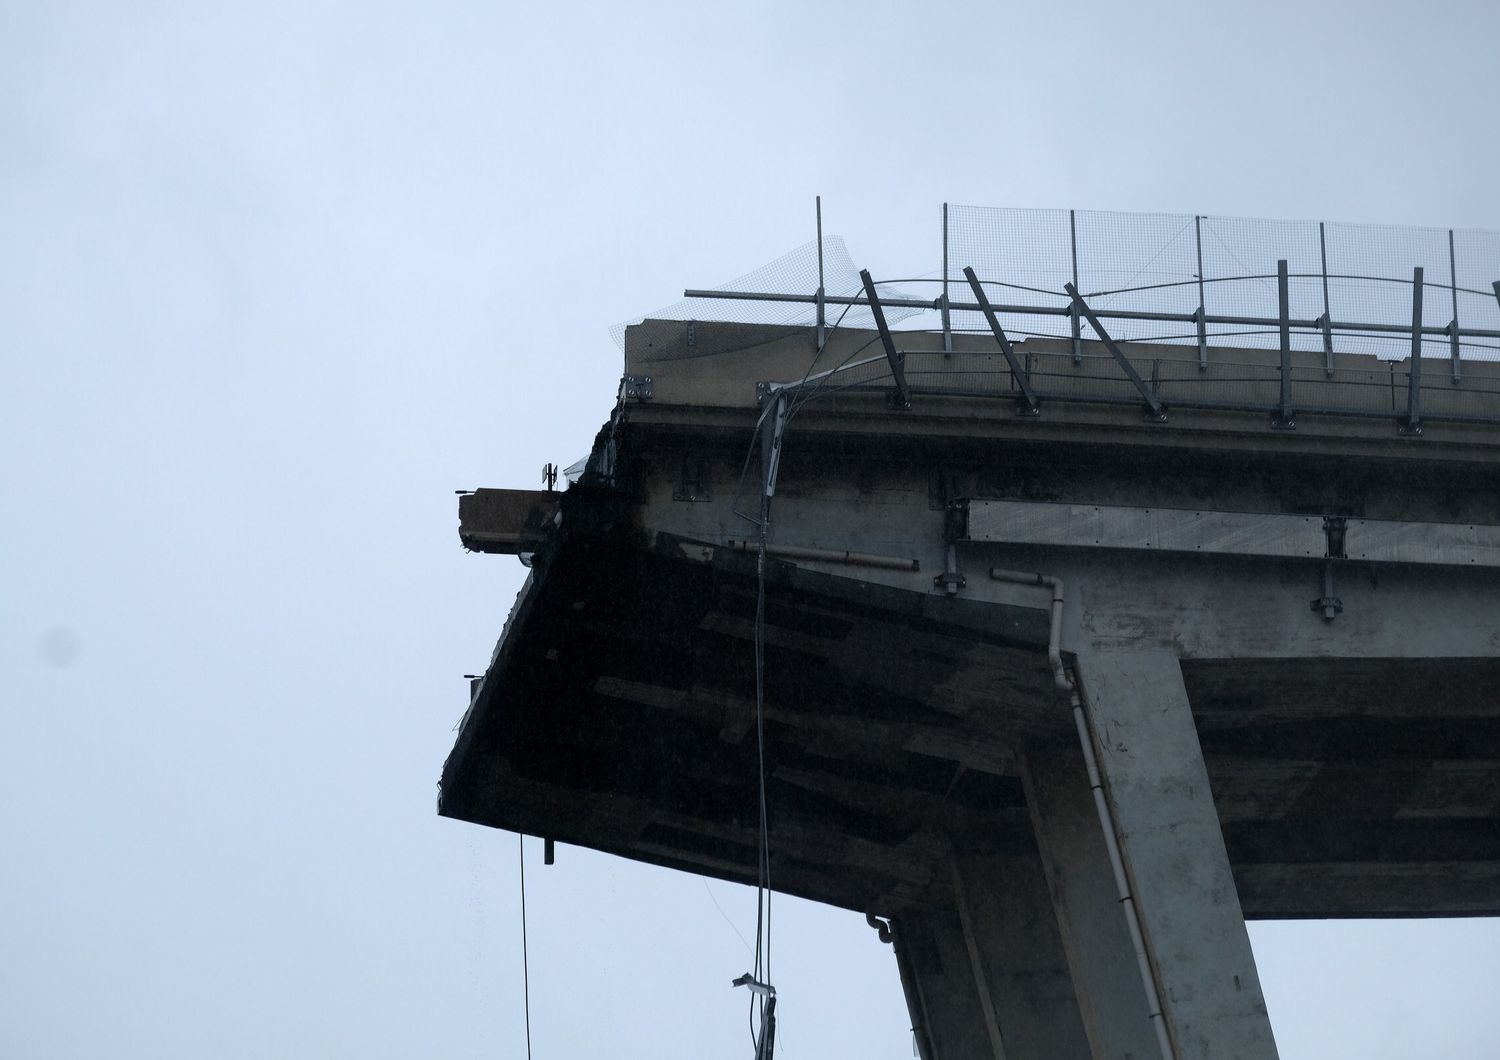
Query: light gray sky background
(277, 278)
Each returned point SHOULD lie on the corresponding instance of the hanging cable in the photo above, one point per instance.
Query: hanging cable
(734, 504)
(761, 973)
(760, 723)
(525, 960)
(763, 994)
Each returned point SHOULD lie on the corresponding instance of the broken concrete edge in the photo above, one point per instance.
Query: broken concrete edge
(505, 521)
(1001, 624)
(586, 546)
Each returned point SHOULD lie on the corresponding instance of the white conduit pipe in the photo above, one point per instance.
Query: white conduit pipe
(1067, 683)
(826, 555)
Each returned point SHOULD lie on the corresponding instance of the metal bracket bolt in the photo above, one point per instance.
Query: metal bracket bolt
(636, 388)
(950, 582)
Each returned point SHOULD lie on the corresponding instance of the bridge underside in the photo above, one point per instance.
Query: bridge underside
(620, 715)
(1282, 646)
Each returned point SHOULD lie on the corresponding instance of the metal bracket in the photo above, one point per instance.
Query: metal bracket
(1329, 604)
(1199, 318)
(956, 520)
(772, 430)
(1028, 400)
(754, 984)
(896, 359)
(1156, 411)
(694, 482)
(1453, 354)
(1336, 527)
(636, 388)
(950, 582)
(1326, 326)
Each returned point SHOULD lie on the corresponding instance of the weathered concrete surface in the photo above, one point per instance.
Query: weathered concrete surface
(1018, 955)
(958, 1020)
(1111, 997)
(1168, 830)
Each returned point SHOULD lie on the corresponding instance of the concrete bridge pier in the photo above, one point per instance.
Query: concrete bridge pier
(1036, 949)
(1157, 788)
(988, 976)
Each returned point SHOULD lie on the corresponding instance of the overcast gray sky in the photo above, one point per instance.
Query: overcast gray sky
(278, 277)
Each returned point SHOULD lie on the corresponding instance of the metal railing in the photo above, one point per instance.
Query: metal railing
(1215, 283)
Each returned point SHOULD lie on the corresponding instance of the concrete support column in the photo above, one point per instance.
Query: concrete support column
(938, 975)
(1018, 957)
(1169, 836)
(1111, 997)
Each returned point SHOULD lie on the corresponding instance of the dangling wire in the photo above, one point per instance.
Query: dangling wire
(774, 417)
(525, 961)
(734, 504)
(760, 740)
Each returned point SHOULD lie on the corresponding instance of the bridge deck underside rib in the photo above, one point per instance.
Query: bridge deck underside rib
(619, 715)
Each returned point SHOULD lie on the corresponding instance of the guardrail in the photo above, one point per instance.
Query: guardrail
(1163, 279)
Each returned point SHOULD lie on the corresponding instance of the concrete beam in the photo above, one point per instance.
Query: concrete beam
(1169, 836)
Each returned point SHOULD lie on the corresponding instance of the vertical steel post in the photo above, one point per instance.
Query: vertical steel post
(1414, 376)
(1284, 416)
(1202, 310)
(822, 319)
(1077, 328)
(1453, 327)
(947, 321)
(1327, 313)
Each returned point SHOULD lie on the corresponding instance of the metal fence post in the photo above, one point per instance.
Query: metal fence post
(1413, 424)
(1453, 327)
(1284, 418)
(1327, 321)
(947, 321)
(822, 319)
(1202, 311)
(1077, 329)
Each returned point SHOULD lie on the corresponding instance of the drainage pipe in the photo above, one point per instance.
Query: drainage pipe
(1054, 635)
(916, 1004)
(1068, 683)
(826, 555)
